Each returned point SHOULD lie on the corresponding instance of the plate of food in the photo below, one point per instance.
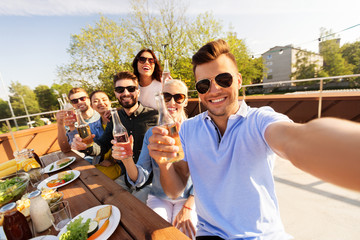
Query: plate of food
(59, 180)
(59, 164)
(94, 224)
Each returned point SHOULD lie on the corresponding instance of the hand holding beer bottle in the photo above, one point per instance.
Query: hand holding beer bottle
(167, 122)
(122, 142)
(83, 129)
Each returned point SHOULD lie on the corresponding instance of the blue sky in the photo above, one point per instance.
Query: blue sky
(34, 35)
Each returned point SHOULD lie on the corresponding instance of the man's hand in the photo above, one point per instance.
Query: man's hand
(78, 144)
(123, 150)
(107, 116)
(161, 146)
(60, 117)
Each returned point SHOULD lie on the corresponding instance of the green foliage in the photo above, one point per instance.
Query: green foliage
(351, 53)
(47, 98)
(334, 63)
(23, 97)
(305, 68)
(96, 54)
(250, 69)
(4, 109)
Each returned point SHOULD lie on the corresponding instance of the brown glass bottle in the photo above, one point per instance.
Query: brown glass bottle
(15, 225)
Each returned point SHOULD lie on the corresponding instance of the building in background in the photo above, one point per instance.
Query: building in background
(280, 63)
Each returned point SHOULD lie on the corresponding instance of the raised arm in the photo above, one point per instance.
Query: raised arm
(62, 138)
(173, 176)
(327, 148)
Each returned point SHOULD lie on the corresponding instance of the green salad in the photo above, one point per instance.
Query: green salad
(10, 188)
(76, 230)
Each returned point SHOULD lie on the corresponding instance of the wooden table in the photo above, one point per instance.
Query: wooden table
(93, 188)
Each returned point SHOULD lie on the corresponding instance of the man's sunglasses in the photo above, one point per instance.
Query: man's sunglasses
(76, 100)
(142, 60)
(122, 89)
(223, 80)
(179, 97)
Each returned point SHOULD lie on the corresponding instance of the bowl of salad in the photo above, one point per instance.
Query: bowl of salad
(12, 187)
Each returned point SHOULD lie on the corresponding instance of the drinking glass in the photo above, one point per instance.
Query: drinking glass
(61, 214)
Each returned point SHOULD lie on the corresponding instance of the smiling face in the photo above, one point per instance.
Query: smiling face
(82, 105)
(220, 102)
(175, 109)
(100, 102)
(127, 99)
(146, 69)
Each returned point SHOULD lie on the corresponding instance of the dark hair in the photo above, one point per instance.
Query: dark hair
(210, 52)
(125, 75)
(96, 91)
(157, 71)
(75, 90)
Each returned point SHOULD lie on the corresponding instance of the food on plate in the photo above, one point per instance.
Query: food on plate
(7, 168)
(13, 187)
(50, 195)
(76, 230)
(63, 162)
(63, 177)
(52, 167)
(93, 227)
(103, 213)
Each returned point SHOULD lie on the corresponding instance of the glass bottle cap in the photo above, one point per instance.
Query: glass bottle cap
(34, 194)
(8, 207)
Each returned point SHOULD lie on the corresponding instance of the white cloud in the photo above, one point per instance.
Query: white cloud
(62, 7)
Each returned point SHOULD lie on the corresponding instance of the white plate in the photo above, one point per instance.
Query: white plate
(53, 177)
(56, 168)
(91, 213)
(45, 237)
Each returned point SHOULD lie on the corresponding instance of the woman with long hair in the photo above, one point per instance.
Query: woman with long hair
(148, 71)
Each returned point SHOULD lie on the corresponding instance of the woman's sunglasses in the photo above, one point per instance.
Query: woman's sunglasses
(223, 80)
(76, 100)
(143, 60)
(122, 89)
(179, 97)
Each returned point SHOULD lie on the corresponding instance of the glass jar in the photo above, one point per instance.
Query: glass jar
(39, 212)
(15, 225)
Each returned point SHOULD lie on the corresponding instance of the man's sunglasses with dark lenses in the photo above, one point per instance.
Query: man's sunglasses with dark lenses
(122, 89)
(223, 80)
(76, 100)
(142, 60)
(179, 97)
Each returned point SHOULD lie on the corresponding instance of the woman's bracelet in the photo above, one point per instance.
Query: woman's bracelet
(187, 207)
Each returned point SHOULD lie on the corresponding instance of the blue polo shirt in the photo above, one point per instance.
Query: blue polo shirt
(232, 175)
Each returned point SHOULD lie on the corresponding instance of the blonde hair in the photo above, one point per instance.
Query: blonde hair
(182, 84)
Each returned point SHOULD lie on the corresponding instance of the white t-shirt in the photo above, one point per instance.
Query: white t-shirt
(147, 94)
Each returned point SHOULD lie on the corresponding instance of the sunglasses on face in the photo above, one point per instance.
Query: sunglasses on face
(76, 100)
(128, 88)
(223, 80)
(143, 60)
(178, 98)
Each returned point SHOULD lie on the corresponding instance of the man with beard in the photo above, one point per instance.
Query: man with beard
(80, 100)
(136, 118)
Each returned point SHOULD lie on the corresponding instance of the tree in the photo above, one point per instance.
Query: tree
(351, 53)
(250, 69)
(19, 93)
(4, 109)
(97, 53)
(334, 63)
(60, 89)
(47, 98)
(305, 68)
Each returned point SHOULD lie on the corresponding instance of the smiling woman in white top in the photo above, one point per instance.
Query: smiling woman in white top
(148, 71)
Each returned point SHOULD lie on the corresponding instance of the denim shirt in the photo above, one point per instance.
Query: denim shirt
(146, 165)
